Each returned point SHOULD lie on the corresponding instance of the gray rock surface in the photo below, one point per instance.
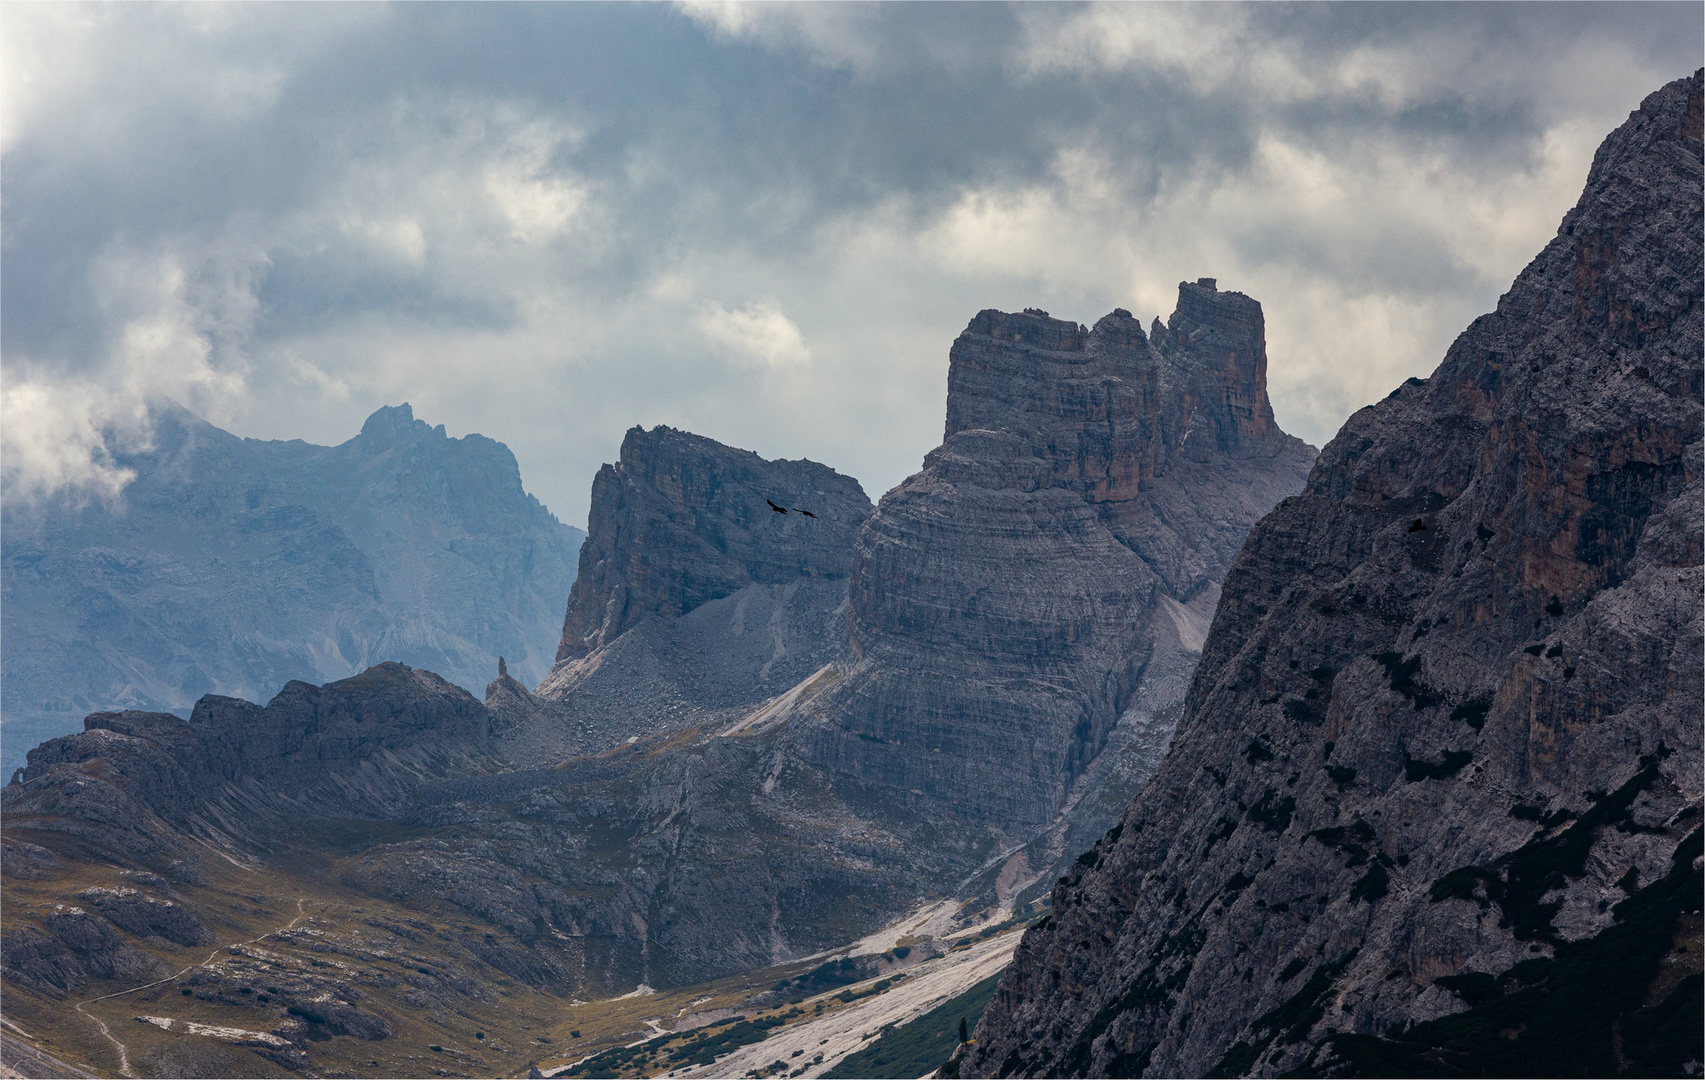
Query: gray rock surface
(233, 565)
(709, 666)
(40, 961)
(697, 601)
(1009, 600)
(660, 811)
(681, 520)
(242, 776)
(664, 862)
(100, 949)
(1448, 716)
(136, 912)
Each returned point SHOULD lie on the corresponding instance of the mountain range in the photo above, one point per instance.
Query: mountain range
(1381, 761)
(1434, 804)
(232, 566)
(710, 778)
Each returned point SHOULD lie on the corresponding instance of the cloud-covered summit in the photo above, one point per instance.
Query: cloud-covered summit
(764, 223)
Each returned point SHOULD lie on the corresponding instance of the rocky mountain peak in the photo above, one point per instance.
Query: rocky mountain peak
(1032, 326)
(249, 562)
(388, 422)
(1008, 594)
(1219, 341)
(680, 519)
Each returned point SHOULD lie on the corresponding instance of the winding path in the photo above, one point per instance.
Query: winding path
(124, 1051)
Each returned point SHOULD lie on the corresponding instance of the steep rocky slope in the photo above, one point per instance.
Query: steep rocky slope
(233, 565)
(1433, 808)
(1054, 563)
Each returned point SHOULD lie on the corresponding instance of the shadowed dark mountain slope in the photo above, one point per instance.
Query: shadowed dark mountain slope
(1433, 807)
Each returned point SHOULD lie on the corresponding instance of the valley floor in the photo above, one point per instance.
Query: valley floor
(282, 936)
(837, 1034)
(809, 1037)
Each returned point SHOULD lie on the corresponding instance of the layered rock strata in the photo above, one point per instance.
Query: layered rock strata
(236, 773)
(1008, 601)
(1434, 802)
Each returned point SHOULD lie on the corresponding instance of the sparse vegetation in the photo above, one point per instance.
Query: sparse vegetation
(826, 976)
(676, 1050)
(916, 1048)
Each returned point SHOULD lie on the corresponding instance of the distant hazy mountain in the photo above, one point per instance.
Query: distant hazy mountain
(233, 565)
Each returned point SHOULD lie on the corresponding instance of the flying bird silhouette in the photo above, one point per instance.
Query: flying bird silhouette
(777, 509)
(807, 513)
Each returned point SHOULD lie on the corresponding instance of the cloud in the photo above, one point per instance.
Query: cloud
(548, 223)
(1368, 259)
(835, 35)
(758, 334)
(176, 335)
(56, 439)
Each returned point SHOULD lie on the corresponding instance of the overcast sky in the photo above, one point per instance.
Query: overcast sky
(550, 222)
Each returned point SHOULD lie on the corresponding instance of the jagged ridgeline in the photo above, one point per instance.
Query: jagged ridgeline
(778, 717)
(1434, 805)
(231, 566)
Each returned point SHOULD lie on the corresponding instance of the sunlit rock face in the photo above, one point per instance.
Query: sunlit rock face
(1442, 752)
(1067, 537)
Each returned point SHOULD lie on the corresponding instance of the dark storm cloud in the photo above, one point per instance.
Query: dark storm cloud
(547, 222)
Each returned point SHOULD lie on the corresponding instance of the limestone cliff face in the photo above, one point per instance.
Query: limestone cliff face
(681, 520)
(1007, 600)
(697, 598)
(1442, 753)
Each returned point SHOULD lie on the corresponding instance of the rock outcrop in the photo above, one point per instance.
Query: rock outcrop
(242, 776)
(1009, 601)
(1434, 803)
(667, 861)
(233, 565)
